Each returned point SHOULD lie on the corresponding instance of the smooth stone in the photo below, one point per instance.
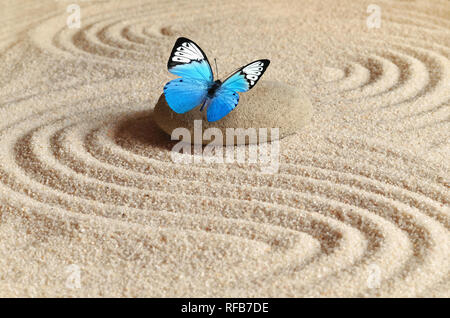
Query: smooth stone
(267, 105)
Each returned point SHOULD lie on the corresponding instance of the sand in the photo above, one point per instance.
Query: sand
(91, 203)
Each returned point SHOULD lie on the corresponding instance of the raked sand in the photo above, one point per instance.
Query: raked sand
(88, 190)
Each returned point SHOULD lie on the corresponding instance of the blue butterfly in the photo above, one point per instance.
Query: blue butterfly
(196, 85)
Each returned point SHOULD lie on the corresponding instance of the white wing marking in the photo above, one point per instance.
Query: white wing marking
(253, 71)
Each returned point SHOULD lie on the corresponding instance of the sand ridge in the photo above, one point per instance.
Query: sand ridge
(359, 207)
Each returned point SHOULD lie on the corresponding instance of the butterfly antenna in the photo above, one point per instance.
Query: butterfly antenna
(203, 105)
(217, 70)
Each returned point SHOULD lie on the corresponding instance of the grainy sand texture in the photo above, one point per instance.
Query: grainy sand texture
(91, 203)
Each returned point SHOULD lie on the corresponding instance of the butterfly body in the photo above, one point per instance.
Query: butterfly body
(197, 86)
(213, 88)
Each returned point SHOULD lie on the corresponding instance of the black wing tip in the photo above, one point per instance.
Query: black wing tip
(182, 39)
(170, 63)
(266, 62)
(178, 42)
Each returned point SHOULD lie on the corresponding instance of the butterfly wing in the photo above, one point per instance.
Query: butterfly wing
(183, 94)
(222, 104)
(226, 97)
(246, 77)
(189, 61)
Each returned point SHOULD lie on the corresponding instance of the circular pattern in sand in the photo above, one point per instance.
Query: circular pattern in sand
(359, 206)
